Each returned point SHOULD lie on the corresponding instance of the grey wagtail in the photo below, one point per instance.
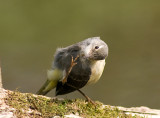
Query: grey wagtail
(76, 66)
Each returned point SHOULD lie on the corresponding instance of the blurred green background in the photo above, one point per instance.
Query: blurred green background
(30, 32)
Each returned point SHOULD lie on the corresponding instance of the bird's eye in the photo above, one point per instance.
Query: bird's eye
(96, 47)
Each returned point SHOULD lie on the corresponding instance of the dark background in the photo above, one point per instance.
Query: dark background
(30, 32)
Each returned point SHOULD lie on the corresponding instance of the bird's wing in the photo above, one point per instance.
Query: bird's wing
(79, 75)
(61, 64)
(64, 56)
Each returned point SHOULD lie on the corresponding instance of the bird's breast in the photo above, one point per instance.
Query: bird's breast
(96, 71)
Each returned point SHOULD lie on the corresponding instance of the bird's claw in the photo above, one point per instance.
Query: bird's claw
(73, 63)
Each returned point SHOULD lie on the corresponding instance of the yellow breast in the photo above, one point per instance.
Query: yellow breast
(97, 68)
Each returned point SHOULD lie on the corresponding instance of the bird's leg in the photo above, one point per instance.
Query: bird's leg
(87, 98)
(73, 63)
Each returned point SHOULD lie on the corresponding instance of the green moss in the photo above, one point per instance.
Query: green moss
(30, 105)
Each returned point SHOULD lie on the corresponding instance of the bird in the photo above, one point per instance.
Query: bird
(76, 66)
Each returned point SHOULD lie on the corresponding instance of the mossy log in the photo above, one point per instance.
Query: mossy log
(14, 104)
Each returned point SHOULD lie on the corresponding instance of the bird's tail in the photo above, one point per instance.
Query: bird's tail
(49, 85)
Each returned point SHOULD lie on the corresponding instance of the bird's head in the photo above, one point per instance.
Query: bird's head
(95, 49)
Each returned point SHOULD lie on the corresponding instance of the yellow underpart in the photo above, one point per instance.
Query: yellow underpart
(55, 74)
(51, 85)
(53, 77)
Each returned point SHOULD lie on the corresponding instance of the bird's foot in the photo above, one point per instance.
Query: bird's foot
(89, 100)
(73, 63)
